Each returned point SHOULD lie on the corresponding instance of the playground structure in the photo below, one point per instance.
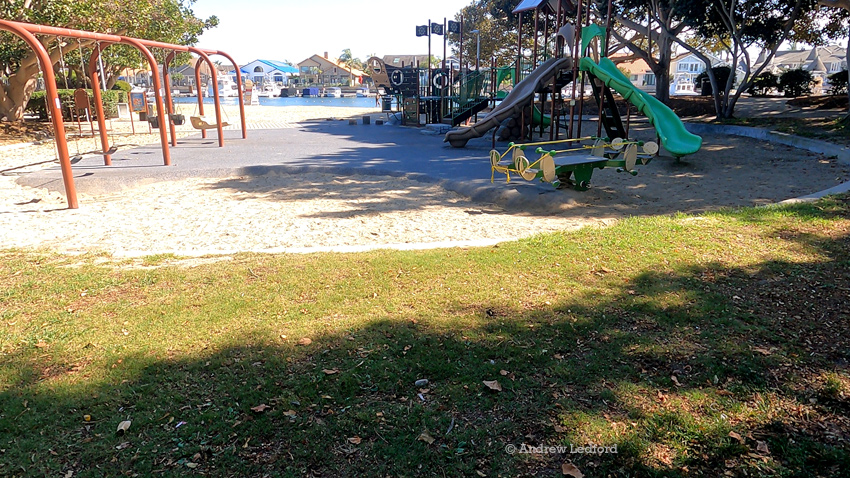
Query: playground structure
(566, 48)
(164, 107)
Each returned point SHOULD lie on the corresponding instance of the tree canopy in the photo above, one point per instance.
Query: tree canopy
(171, 21)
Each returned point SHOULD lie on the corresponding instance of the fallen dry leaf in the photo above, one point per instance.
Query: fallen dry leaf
(760, 350)
(123, 427)
(191, 465)
(504, 373)
(305, 341)
(675, 380)
(762, 447)
(41, 344)
(426, 437)
(568, 469)
(560, 429)
(330, 371)
(493, 385)
(355, 440)
(260, 408)
(290, 413)
(736, 436)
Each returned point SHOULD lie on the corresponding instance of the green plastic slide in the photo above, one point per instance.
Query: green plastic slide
(674, 137)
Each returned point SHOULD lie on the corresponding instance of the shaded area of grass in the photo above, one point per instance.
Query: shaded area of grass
(832, 130)
(700, 346)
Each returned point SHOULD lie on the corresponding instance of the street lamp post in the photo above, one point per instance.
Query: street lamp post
(477, 48)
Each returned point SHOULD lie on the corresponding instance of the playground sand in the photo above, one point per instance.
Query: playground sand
(280, 212)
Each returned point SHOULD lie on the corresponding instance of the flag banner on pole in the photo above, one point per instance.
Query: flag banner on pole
(454, 27)
(422, 30)
(437, 28)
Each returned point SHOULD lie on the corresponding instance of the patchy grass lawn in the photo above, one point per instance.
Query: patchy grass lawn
(826, 129)
(698, 346)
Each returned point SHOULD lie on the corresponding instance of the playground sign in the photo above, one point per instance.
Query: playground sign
(137, 102)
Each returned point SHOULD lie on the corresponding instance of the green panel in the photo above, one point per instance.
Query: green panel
(590, 32)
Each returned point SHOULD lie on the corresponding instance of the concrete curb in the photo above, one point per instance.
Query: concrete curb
(841, 153)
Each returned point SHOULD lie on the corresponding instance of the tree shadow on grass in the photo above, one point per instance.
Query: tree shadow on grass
(702, 370)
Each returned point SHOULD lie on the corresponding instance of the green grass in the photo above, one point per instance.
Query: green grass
(832, 130)
(659, 335)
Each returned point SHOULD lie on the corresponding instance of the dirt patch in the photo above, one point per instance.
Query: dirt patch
(23, 132)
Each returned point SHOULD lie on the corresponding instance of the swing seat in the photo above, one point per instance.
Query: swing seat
(199, 122)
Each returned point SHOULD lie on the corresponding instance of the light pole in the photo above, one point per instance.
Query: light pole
(477, 47)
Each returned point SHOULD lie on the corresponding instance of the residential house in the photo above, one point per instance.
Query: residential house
(821, 61)
(420, 61)
(320, 69)
(683, 72)
(638, 70)
(685, 69)
(269, 71)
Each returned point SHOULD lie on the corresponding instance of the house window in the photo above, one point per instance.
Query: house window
(649, 79)
(633, 78)
(258, 69)
(278, 78)
(834, 67)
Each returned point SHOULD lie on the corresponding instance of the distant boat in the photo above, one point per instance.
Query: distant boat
(310, 93)
(226, 87)
(270, 90)
(363, 92)
(333, 92)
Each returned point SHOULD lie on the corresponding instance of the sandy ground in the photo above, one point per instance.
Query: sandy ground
(271, 214)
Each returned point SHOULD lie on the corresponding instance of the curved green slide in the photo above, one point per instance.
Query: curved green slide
(674, 137)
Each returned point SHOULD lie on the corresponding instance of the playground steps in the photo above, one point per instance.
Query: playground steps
(464, 112)
(609, 114)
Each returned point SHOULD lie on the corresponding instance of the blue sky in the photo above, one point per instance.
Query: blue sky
(289, 30)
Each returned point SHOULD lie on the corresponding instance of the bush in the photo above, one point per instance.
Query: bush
(762, 84)
(122, 85)
(721, 74)
(111, 98)
(838, 83)
(794, 83)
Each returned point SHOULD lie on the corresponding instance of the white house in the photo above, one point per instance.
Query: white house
(821, 61)
(262, 72)
(685, 69)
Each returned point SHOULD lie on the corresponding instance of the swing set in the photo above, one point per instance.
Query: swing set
(28, 31)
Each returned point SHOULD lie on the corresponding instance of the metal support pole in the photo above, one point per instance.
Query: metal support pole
(98, 104)
(160, 109)
(200, 96)
(54, 107)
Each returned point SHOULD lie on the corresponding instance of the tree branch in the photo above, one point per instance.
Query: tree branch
(845, 4)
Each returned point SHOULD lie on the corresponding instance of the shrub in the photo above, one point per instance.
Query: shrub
(111, 98)
(762, 84)
(721, 74)
(838, 83)
(794, 83)
(121, 85)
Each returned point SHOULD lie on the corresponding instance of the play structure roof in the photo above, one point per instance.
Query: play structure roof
(526, 5)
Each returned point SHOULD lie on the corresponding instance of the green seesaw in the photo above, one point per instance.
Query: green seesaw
(572, 169)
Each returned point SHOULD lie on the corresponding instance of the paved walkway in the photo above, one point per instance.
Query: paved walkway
(778, 107)
(340, 148)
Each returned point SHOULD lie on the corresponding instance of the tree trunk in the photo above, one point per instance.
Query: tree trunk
(847, 60)
(15, 96)
(662, 73)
